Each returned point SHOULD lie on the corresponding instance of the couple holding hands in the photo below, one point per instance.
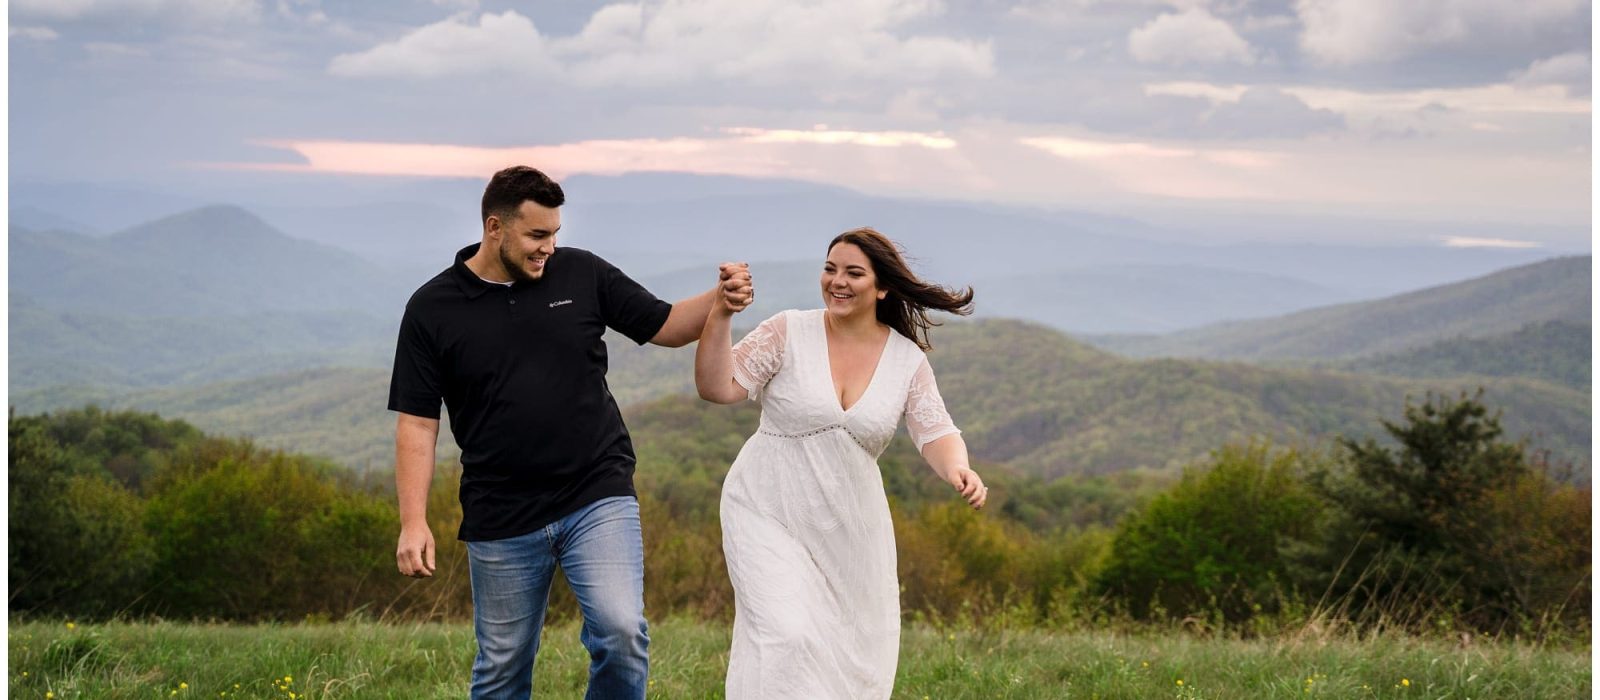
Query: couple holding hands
(510, 339)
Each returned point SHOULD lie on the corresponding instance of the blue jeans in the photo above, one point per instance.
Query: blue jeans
(600, 551)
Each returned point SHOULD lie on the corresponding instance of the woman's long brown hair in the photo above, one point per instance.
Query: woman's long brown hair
(905, 307)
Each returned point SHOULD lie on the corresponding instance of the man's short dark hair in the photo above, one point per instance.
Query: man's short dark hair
(509, 188)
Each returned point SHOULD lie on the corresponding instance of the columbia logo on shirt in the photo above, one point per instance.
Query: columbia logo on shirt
(563, 302)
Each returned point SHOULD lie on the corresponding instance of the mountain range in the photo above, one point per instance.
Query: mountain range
(1127, 351)
(1495, 304)
(213, 261)
(651, 224)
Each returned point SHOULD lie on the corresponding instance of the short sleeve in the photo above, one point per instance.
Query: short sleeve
(628, 307)
(414, 388)
(759, 355)
(926, 417)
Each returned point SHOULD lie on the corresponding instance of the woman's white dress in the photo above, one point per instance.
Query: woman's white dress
(805, 523)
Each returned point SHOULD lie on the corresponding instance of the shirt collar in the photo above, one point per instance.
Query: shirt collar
(470, 283)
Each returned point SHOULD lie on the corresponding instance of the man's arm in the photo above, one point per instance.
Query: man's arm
(688, 317)
(414, 440)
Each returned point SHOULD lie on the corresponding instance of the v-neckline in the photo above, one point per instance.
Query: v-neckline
(827, 361)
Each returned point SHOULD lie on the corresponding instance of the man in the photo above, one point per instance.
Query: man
(510, 339)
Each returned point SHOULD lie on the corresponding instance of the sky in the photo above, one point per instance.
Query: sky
(1421, 110)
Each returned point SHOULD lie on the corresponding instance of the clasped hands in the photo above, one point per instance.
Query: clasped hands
(736, 289)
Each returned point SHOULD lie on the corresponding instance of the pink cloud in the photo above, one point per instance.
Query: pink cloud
(747, 152)
(604, 157)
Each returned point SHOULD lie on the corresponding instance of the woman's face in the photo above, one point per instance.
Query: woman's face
(849, 286)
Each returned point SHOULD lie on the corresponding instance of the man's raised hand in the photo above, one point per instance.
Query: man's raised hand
(737, 287)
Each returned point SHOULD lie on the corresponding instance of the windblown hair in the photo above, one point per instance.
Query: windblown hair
(905, 307)
(509, 188)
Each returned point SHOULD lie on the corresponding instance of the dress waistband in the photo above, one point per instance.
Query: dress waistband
(806, 434)
(815, 432)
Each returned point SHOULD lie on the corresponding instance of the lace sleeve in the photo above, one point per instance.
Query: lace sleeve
(926, 417)
(759, 355)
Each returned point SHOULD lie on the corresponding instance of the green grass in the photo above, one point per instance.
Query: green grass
(367, 660)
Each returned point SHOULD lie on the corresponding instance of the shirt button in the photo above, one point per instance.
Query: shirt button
(513, 301)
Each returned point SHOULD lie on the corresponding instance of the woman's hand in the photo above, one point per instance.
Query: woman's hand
(970, 485)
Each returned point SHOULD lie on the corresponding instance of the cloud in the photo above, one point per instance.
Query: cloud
(1535, 97)
(1168, 170)
(112, 51)
(744, 151)
(1569, 70)
(1350, 32)
(1462, 242)
(1269, 113)
(1250, 112)
(823, 135)
(678, 42)
(197, 11)
(1069, 12)
(1191, 36)
(1263, 23)
(770, 43)
(35, 33)
(496, 44)
(1209, 91)
(1502, 98)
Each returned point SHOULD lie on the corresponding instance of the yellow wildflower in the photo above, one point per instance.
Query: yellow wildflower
(1405, 682)
(71, 626)
(183, 686)
(1180, 681)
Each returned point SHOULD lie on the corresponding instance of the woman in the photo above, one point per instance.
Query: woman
(805, 523)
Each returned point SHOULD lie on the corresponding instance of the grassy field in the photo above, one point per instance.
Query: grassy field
(366, 660)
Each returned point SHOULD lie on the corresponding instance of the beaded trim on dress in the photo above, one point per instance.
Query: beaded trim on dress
(818, 431)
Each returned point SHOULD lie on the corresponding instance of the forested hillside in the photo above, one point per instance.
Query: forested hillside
(1558, 352)
(1502, 302)
(1027, 396)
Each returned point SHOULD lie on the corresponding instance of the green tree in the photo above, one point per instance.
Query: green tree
(1420, 494)
(1448, 525)
(1211, 543)
(266, 535)
(77, 544)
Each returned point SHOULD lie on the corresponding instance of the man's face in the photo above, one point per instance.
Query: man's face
(527, 240)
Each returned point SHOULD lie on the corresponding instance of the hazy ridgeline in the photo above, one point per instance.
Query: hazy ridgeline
(1444, 528)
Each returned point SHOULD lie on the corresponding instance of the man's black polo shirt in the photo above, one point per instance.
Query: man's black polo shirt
(522, 370)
